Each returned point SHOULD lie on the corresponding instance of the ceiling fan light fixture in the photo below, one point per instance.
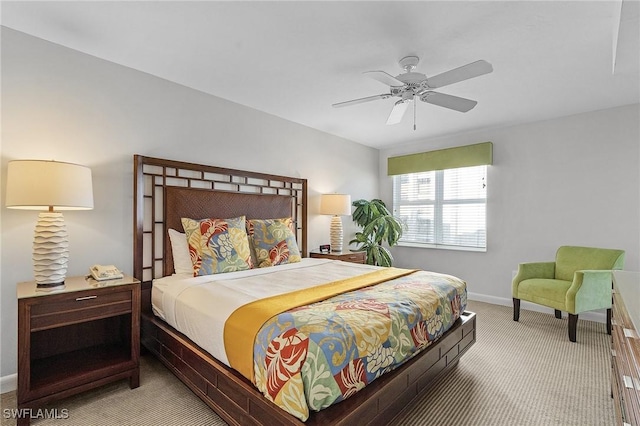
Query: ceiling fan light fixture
(408, 63)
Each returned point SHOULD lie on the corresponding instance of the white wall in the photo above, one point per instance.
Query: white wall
(64, 105)
(567, 181)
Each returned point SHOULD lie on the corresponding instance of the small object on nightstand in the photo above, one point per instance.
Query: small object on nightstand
(325, 248)
(347, 256)
(102, 272)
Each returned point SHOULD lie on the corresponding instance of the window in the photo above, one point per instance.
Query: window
(443, 208)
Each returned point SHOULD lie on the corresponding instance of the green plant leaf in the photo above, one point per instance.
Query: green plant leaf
(378, 226)
(385, 257)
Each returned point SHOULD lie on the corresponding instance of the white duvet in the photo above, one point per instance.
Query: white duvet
(199, 306)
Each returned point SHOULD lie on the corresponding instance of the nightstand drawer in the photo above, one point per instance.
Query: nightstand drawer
(354, 257)
(78, 307)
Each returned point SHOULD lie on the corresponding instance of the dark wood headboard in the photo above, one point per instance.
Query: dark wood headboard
(202, 203)
(166, 190)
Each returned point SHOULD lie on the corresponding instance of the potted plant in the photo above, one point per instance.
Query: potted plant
(378, 226)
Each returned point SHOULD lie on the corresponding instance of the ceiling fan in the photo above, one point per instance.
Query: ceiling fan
(411, 85)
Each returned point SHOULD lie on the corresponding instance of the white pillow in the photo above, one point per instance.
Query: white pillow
(180, 250)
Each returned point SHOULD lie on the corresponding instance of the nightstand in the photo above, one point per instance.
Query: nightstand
(345, 256)
(76, 338)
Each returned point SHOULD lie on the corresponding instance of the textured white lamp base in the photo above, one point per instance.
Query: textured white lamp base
(50, 250)
(336, 233)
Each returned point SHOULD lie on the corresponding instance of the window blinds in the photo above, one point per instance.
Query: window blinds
(443, 207)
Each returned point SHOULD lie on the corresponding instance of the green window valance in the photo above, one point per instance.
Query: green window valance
(449, 158)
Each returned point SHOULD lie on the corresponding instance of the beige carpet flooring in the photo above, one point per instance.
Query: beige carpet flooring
(525, 373)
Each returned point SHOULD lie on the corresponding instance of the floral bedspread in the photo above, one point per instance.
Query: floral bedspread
(317, 355)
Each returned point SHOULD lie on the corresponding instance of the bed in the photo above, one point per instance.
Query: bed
(164, 192)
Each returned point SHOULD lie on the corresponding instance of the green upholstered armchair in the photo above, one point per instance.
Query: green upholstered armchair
(578, 281)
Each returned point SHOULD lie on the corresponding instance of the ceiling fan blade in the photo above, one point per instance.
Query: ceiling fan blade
(397, 112)
(384, 78)
(361, 100)
(448, 101)
(464, 72)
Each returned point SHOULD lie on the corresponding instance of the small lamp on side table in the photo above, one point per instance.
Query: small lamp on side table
(336, 205)
(51, 186)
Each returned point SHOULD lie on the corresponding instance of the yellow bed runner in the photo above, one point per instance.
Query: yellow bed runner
(243, 325)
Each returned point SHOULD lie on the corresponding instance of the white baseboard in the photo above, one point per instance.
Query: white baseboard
(8, 383)
(597, 316)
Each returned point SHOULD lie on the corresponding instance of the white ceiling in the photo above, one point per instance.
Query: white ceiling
(294, 59)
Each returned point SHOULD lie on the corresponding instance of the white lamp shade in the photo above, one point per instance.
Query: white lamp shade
(49, 185)
(40, 184)
(335, 204)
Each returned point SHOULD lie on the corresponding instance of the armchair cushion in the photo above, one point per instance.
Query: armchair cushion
(530, 270)
(547, 292)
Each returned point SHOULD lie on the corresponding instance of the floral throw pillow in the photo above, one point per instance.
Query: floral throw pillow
(217, 245)
(274, 241)
(279, 254)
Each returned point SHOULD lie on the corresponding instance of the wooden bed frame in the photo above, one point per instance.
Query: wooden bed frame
(166, 190)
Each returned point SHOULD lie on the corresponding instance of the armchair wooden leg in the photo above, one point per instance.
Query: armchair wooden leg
(573, 325)
(609, 321)
(558, 314)
(516, 309)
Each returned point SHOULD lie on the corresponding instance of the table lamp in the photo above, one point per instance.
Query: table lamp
(336, 205)
(51, 186)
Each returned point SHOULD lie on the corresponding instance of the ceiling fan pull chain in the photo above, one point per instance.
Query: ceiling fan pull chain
(415, 105)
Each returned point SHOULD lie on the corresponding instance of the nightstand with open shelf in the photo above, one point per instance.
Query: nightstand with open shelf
(76, 338)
